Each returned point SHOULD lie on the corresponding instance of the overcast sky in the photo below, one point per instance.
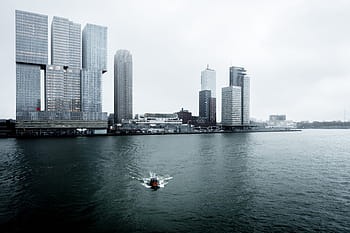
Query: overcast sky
(297, 53)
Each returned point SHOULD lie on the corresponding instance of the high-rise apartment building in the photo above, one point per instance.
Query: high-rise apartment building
(94, 53)
(122, 86)
(207, 96)
(239, 78)
(31, 59)
(231, 106)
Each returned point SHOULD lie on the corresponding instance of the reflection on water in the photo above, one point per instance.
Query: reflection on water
(214, 183)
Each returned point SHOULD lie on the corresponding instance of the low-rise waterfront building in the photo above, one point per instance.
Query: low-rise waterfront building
(7, 128)
(185, 116)
(149, 123)
(60, 128)
(277, 117)
(280, 121)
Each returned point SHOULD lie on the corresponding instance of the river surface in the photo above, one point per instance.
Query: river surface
(243, 182)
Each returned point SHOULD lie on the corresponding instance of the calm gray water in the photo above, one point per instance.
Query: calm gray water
(272, 182)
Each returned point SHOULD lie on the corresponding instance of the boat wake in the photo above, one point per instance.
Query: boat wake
(145, 181)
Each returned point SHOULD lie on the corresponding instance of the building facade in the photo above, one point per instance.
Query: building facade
(94, 54)
(204, 104)
(54, 88)
(277, 118)
(65, 43)
(231, 106)
(31, 60)
(208, 81)
(94, 45)
(123, 101)
(31, 38)
(239, 78)
(246, 101)
(64, 84)
(185, 116)
(207, 97)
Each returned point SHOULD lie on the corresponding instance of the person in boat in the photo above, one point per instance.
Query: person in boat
(154, 183)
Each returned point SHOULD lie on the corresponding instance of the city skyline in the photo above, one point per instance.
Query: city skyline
(278, 62)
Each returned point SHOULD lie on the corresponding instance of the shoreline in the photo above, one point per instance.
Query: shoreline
(148, 134)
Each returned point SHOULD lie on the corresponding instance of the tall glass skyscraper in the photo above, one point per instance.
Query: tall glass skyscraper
(94, 51)
(31, 38)
(95, 47)
(204, 104)
(207, 96)
(54, 88)
(122, 86)
(208, 81)
(65, 43)
(63, 78)
(66, 84)
(239, 78)
(31, 58)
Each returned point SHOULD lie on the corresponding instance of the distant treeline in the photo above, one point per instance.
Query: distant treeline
(324, 125)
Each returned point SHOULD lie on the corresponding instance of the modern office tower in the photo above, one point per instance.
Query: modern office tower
(94, 53)
(238, 78)
(236, 75)
(63, 85)
(62, 89)
(72, 90)
(31, 59)
(246, 101)
(208, 81)
(204, 104)
(231, 108)
(31, 38)
(62, 80)
(122, 86)
(95, 47)
(65, 43)
(212, 111)
(207, 104)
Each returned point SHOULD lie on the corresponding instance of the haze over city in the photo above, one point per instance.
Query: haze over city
(296, 52)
